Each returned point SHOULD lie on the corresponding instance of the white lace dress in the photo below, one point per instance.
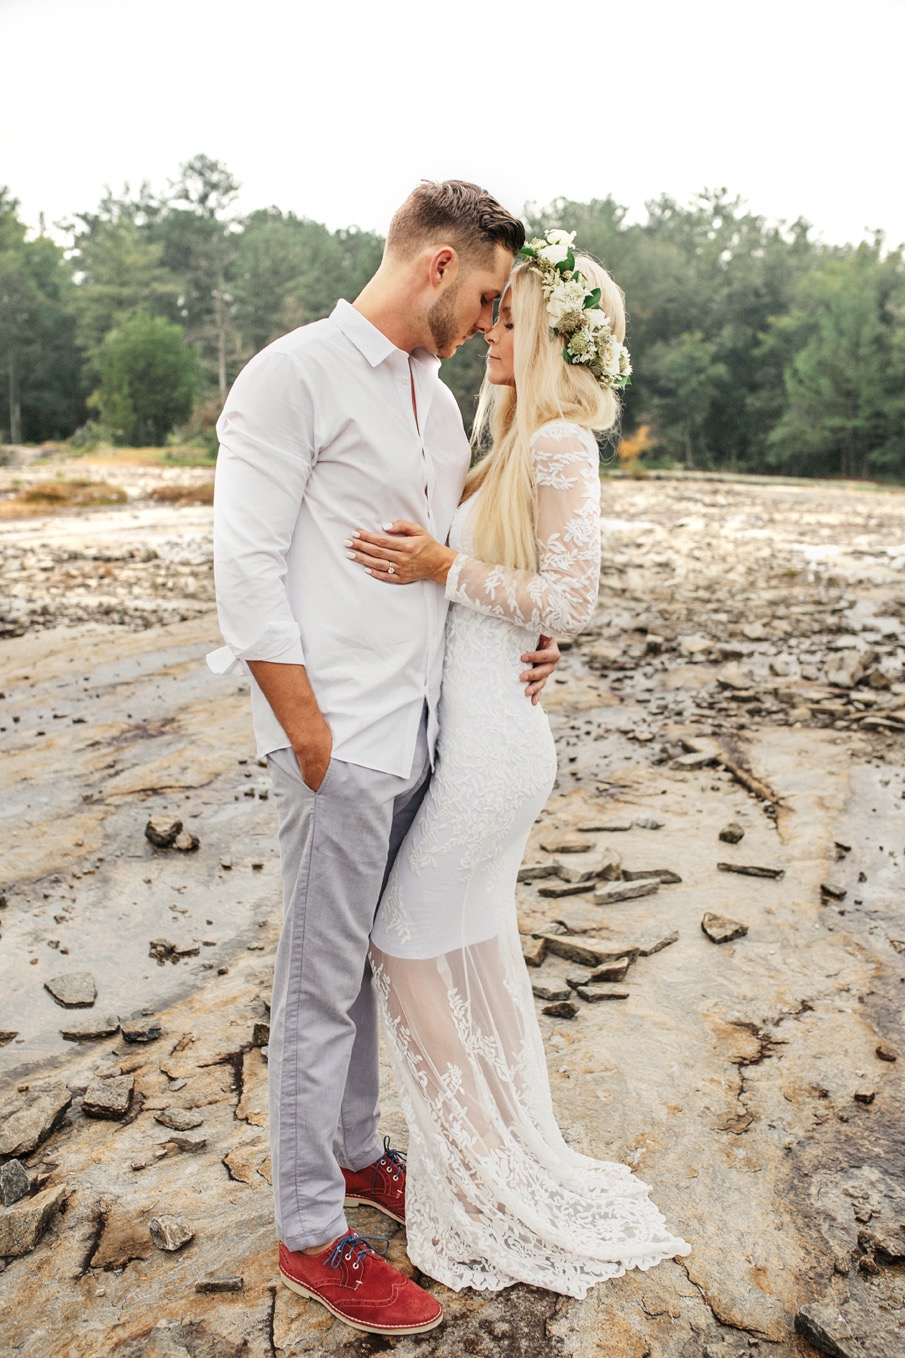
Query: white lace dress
(495, 1196)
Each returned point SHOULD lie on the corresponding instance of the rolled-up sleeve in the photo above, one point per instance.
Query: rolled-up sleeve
(268, 442)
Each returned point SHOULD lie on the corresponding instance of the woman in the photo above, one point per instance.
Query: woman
(494, 1194)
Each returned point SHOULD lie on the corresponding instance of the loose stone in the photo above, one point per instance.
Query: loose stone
(235, 1284)
(14, 1182)
(23, 1224)
(588, 953)
(624, 891)
(535, 872)
(829, 892)
(604, 826)
(109, 1098)
(183, 1142)
(170, 1233)
(865, 1095)
(91, 1029)
(592, 994)
(732, 833)
(534, 950)
(589, 868)
(141, 1030)
(179, 1119)
(649, 823)
(186, 842)
(721, 929)
(612, 971)
(664, 875)
(886, 1052)
(550, 993)
(162, 831)
(28, 1127)
(560, 1009)
(76, 990)
(750, 870)
(260, 1035)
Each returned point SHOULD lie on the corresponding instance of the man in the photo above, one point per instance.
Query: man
(344, 424)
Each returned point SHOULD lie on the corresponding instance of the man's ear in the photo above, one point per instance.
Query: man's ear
(443, 266)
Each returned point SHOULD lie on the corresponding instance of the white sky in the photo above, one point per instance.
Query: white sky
(335, 110)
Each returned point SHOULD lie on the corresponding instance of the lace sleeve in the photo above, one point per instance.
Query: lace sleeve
(559, 598)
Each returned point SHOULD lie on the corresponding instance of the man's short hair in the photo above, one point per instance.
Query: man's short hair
(455, 213)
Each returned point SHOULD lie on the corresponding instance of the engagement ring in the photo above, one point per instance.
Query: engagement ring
(391, 570)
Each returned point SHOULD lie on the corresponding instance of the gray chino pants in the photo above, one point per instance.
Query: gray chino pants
(336, 848)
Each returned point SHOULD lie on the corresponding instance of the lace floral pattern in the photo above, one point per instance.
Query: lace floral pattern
(494, 1195)
(559, 599)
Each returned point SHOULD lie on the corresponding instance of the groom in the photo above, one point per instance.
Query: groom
(345, 424)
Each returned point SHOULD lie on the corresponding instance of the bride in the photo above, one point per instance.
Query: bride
(494, 1194)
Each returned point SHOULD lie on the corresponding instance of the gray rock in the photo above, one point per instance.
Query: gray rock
(592, 994)
(586, 951)
(260, 1035)
(886, 1052)
(14, 1182)
(23, 1224)
(170, 1232)
(829, 891)
(624, 891)
(141, 1030)
(180, 1119)
(722, 930)
(7, 1035)
(235, 1284)
(89, 1030)
(110, 1098)
(649, 823)
(823, 1325)
(28, 1127)
(664, 875)
(567, 842)
(534, 950)
(76, 990)
(590, 867)
(696, 760)
(751, 870)
(162, 831)
(535, 872)
(165, 950)
(560, 1009)
(612, 971)
(605, 826)
(555, 890)
(183, 1142)
(732, 833)
(550, 993)
(186, 842)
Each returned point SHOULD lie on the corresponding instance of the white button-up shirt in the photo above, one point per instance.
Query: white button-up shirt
(317, 438)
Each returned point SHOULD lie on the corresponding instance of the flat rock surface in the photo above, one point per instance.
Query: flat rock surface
(76, 990)
(727, 1080)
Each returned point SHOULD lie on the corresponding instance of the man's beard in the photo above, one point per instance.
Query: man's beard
(443, 324)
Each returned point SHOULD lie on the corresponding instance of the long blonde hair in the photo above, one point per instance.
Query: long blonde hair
(504, 524)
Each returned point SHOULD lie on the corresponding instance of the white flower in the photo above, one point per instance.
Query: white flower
(554, 254)
(557, 306)
(574, 294)
(597, 318)
(560, 238)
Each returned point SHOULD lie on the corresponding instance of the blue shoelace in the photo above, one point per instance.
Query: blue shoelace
(355, 1248)
(396, 1159)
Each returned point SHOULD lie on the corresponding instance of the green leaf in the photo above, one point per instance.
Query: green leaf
(592, 300)
(528, 252)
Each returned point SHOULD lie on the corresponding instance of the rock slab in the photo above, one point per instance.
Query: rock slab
(170, 1233)
(110, 1098)
(23, 1224)
(28, 1127)
(720, 929)
(14, 1182)
(75, 990)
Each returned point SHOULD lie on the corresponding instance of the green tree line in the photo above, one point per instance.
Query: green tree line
(756, 347)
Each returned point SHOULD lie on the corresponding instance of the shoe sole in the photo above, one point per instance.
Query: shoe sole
(369, 1202)
(356, 1324)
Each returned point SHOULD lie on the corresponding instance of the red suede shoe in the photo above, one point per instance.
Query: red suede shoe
(380, 1185)
(359, 1287)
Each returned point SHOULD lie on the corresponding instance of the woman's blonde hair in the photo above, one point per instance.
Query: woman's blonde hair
(504, 525)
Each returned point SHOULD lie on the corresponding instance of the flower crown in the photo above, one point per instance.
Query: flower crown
(574, 310)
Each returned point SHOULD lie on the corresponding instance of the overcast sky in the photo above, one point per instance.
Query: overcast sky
(335, 110)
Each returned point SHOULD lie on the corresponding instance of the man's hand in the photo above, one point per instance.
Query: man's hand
(291, 696)
(543, 662)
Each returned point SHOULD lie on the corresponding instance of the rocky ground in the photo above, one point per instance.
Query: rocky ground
(721, 862)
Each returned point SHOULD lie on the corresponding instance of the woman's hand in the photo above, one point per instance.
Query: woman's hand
(404, 553)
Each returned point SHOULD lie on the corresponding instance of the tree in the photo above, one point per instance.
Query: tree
(41, 395)
(685, 378)
(148, 379)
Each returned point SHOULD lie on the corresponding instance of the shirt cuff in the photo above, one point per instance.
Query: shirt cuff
(280, 643)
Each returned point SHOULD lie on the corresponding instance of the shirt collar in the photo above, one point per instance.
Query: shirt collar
(373, 343)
